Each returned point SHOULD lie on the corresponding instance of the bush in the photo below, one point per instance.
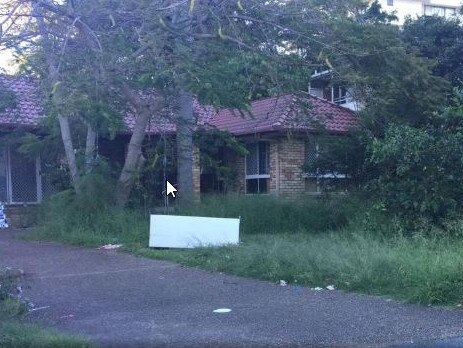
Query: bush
(90, 218)
(422, 169)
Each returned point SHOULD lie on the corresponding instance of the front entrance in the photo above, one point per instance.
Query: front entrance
(20, 180)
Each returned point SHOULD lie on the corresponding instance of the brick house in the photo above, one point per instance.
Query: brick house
(281, 136)
(279, 132)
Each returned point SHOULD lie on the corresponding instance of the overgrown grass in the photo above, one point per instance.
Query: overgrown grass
(269, 215)
(314, 242)
(420, 271)
(15, 333)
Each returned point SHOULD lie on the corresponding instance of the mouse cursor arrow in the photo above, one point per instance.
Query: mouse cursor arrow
(170, 189)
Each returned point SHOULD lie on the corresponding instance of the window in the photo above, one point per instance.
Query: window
(442, 11)
(390, 2)
(257, 167)
(339, 95)
(313, 152)
(335, 94)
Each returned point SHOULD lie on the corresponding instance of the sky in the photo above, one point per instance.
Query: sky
(7, 62)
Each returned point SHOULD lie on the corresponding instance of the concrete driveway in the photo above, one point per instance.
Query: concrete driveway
(119, 300)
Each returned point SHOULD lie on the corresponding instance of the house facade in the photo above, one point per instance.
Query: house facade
(279, 134)
(20, 176)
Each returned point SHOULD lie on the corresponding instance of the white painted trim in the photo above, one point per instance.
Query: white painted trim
(257, 176)
(325, 176)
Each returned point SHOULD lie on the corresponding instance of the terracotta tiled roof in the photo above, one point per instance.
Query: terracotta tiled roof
(288, 112)
(158, 125)
(284, 113)
(28, 111)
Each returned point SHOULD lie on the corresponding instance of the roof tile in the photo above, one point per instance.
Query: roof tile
(289, 112)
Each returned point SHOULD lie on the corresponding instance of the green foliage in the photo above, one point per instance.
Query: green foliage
(440, 39)
(268, 214)
(367, 54)
(230, 78)
(339, 155)
(90, 218)
(15, 334)
(211, 144)
(421, 168)
(7, 98)
(67, 218)
(47, 146)
(313, 243)
(426, 271)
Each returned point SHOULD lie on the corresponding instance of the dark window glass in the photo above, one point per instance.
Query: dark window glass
(257, 160)
(263, 158)
(252, 160)
(256, 186)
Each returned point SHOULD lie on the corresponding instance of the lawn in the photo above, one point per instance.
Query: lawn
(314, 243)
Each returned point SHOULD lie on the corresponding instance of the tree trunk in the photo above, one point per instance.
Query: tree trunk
(69, 150)
(185, 124)
(90, 148)
(53, 71)
(134, 159)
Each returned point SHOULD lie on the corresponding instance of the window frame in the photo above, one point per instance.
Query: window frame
(444, 8)
(259, 175)
(317, 175)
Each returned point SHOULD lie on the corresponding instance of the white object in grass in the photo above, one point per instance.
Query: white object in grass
(171, 231)
(330, 287)
(283, 283)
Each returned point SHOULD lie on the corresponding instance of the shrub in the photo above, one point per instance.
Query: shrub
(422, 169)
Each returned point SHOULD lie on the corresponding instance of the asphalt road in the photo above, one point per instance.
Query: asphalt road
(119, 300)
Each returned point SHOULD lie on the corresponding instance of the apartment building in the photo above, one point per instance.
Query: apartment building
(416, 8)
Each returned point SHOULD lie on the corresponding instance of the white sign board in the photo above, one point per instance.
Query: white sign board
(171, 231)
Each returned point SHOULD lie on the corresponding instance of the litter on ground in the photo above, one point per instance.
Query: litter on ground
(222, 310)
(283, 283)
(110, 246)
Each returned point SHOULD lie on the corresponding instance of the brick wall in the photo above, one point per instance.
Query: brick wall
(287, 157)
(196, 172)
(241, 169)
(291, 160)
(20, 216)
(274, 184)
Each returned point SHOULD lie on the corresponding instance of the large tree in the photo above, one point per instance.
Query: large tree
(155, 57)
(440, 39)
